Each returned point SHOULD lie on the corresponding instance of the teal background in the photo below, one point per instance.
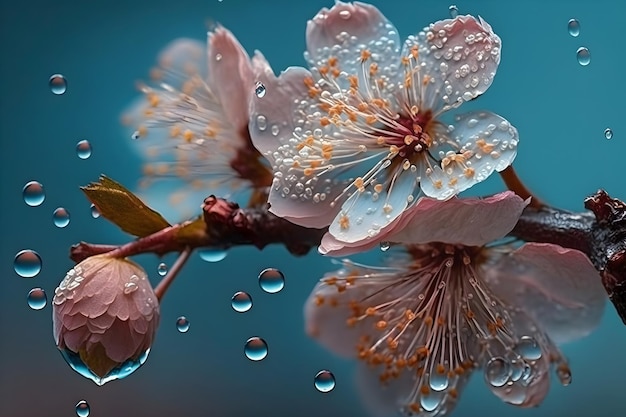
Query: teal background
(560, 108)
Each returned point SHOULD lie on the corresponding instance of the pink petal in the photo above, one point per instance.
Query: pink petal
(558, 287)
(118, 341)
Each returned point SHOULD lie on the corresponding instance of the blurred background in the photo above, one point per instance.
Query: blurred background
(560, 107)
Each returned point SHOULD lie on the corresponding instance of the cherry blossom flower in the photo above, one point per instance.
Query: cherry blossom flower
(191, 123)
(438, 311)
(357, 138)
(105, 316)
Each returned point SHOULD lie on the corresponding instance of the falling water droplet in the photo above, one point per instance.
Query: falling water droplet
(241, 302)
(212, 255)
(259, 89)
(182, 324)
(573, 27)
(497, 372)
(608, 133)
(528, 348)
(95, 213)
(454, 11)
(37, 299)
(119, 372)
(82, 408)
(271, 280)
(384, 246)
(583, 56)
(162, 269)
(255, 349)
(83, 149)
(27, 263)
(438, 381)
(33, 193)
(61, 217)
(324, 381)
(58, 84)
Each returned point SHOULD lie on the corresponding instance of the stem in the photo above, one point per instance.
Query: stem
(515, 184)
(165, 283)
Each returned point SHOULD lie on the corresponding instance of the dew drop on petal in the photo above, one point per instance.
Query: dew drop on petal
(58, 84)
(37, 299)
(182, 324)
(608, 133)
(33, 193)
(212, 255)
(497, 372)
(384, 246)
(241, 302)
(528, 348)
(82, 408)
(61, 217)
(27, 263)
(345, 14)
(431, 401)
(261, 122)
(324, 381)
(573, 27)
(218, 57)
(83, 149)
(259, 89)
(162, 269)
(454, 11)
(122, 371)
(275, 130)
(271, 280)
(255, 349)
(583, 56)
(95, 213)
(438, 381)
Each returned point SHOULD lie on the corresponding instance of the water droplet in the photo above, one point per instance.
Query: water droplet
(608, 133)
(345, 14)
(241, 302)
(275, 130)
(83, 149)
(271, 280)
(454, 11)
(431, 401)
(259, 89)
(583, 56)
(27, 263)
(82, 408)
(182, 324)
(135, 135)
(61, 217)
(384, 246)
(33, 193)
(573, 27)
(261, 122)
(438, 381)
(497, 372)
(564, 374)
(212, 255)
(162, 269)
(119, 372)
(324, 381)
(528, 348)
(58, 84)
(37, 299)
(218, 57)
(255, 349)
(95, 213)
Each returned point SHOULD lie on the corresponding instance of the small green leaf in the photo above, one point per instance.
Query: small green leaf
(120, 206)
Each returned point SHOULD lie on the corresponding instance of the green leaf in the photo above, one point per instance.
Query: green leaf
(120, 206)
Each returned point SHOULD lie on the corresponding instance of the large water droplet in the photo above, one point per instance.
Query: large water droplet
(33, 193)
(259, 89)
(324, 381)
(271, 280)
(95, 213)
(438, 381)
(61, 217)
(431, 401)
(528, 348)
(573, 27)
(27, 263)
(583, 56)
(212, 255)
(37, 299)
(255, 349)
(58, 84)
(241, 302)
(182, 324)
(162, 269)
(83, 149)
(122, 371)
(497, 372)
(608, 133)
(454, 11)
(82, 408)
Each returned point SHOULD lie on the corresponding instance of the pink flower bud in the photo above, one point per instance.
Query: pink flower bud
(105, 315)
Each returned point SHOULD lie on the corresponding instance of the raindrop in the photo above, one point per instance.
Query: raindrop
(57, 84)
(82, 408)
(27, 263)
(61, 217)
(528, 348)
(182, 324)
(241, 302)
(454, 11)
(259, 89)
(33, 193)
(95, 213)
(271, 280)
(37, 299)
(573, 27)
(162, 269)
(497, 372)
(384, 246)
(212, 255)
(324, 381)
(119, 372)
(438, 381)
(83, 149)
(255, 349)
(583, 56)
(608, 133)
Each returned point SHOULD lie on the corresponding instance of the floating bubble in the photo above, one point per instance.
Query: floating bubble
(120, 372)
(162, 269)
(497, 372)
(259, 89)
(61, 217)
(58, 84)
(82, 408)
(255, 349)
(37, 299)
(324, 381)
(27, 263)
(583, 56)
(608, 133)
(95, 213)
(241, 302)
(573, 27)
(271, 280)
(182, 324)
(454, 11)
(83, 149)
(528, 348)
(212, 255)
(33, 193)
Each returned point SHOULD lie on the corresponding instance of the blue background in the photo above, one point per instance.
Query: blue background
(102, 47)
